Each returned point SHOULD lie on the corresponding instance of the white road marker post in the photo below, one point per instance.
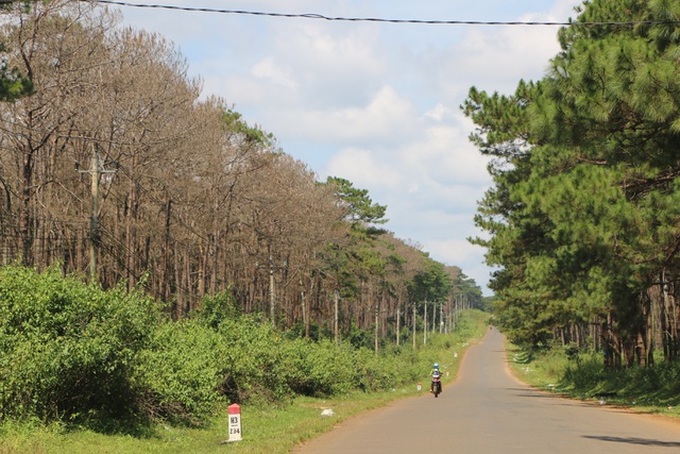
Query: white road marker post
(234, 422)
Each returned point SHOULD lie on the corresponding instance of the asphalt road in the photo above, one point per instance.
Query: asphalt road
(487, 411)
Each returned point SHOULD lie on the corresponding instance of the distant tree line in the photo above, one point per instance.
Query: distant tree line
(584, 213)
(113, 167)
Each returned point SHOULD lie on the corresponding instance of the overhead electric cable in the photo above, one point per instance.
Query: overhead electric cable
(384, 20)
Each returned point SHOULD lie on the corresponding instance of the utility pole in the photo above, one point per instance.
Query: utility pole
(95, 173)
(377, 326)
(94, 215)
(271, 269)
(272, 291)
(302, 306)
(441, 317)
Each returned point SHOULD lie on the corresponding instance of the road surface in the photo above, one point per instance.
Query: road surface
(487, 411)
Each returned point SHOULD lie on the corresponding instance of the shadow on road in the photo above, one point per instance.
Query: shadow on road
(519, 392)
(635, 441)
(528, 392)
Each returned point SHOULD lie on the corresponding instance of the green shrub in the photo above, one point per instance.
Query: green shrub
(214, 309)
(68, 348)
(586, 375)
(361, 338)
(179, 377)
(322, 368)
(300, 376)
(376, 372)
(253, 361)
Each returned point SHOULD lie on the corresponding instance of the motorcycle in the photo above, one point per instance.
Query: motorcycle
(436, 384)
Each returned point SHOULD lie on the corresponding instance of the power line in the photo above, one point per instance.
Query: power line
(385, 20)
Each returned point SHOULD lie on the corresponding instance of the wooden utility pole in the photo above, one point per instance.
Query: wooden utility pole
(302, 307)
(377, 326)
(272, 290)
(441, 317)
(95, 172)
(94, 215)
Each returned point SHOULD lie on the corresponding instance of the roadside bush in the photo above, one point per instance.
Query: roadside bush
(299, 376)
(587, 375)
(68, 348)
(361, 338)
(319, 368)
(252, 361)
(376, 372)
(179, 376)
(410, 368)
(214, 309)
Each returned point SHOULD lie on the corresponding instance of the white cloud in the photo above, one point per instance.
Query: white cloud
(338, 67)
(453, 250)
(268, 71)
(361, 167)
(438, 113)
(386, 118)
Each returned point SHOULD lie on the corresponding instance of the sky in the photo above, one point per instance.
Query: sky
(375, 103)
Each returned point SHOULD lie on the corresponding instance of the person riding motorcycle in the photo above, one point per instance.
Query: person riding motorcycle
(435, 373)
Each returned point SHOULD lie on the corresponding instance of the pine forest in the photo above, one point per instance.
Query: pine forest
(584, 213)
(113, 168)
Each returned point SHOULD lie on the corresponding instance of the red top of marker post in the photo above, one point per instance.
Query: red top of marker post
(234, 409)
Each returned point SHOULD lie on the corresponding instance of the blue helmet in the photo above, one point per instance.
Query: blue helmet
(436, 365)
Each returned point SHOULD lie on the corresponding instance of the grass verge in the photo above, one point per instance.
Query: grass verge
(652, 390)
(274, 430)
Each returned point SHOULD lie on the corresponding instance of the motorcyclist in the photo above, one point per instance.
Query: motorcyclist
(435, 373)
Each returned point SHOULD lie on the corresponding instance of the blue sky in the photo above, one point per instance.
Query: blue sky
(375, 103)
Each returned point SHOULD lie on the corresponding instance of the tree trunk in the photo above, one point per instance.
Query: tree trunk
(398, 320)
(25, 222)
(336, 305)
(425, 323)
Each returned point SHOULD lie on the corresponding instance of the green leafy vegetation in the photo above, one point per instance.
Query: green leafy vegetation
(179, 372)
(582, 219)
(583, 375)
(69, 350)
(81, 364)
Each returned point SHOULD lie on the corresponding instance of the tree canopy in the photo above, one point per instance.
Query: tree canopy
(583, 214)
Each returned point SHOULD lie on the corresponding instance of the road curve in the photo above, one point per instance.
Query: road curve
(487, 411)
